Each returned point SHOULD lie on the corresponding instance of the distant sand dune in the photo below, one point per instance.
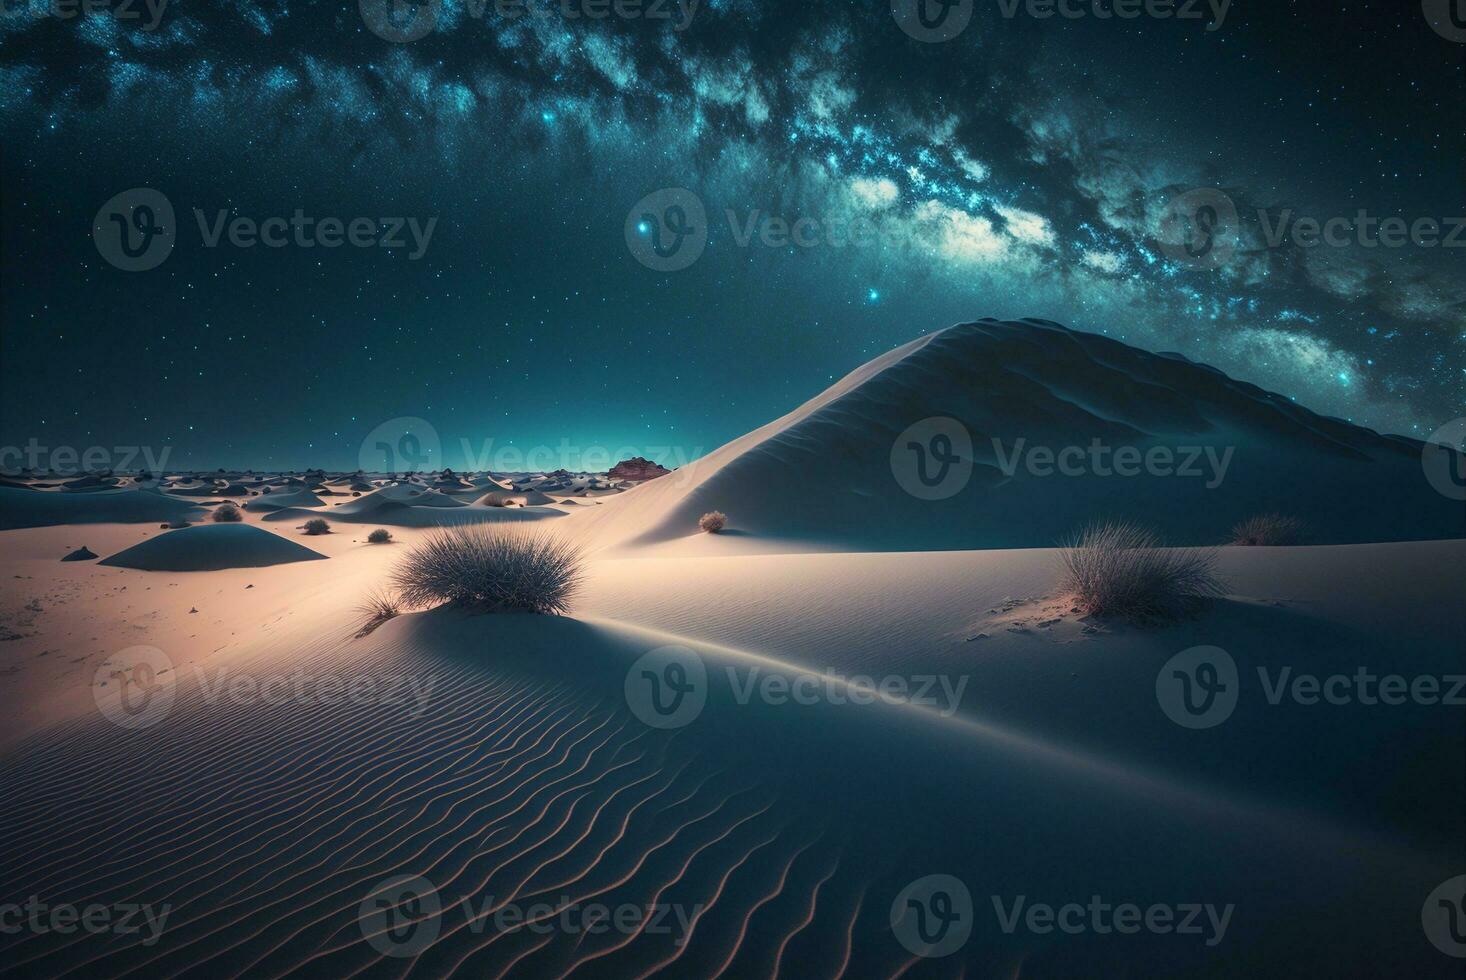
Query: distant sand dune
(44, 508)
(208, 547)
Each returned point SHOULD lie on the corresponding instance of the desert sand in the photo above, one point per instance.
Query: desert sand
(299, 768)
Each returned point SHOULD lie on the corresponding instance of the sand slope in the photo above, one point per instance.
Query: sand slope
(822, 478)
(499, 760)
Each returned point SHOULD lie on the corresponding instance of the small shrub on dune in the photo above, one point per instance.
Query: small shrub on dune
(493, 568)
(713, 521)
(1268, 529)
(376, 609)
(1119, 570)
(380, 536)
(317, 525)
(227, 513)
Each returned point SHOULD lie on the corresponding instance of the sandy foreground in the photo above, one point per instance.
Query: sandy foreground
(298, 770)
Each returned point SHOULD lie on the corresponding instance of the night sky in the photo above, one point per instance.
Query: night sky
(1020, 168)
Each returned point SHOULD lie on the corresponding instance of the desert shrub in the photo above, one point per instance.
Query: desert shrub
(378, 607)
(493, 568)
(1268, 529)
(380, 536)
(713, 521)
(1120, 570)
(317, 525)
(227, 513)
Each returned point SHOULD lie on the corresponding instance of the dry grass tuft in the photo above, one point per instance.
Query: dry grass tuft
(1119, 570)
(1268, 529)
(494, 568)
(378, 607)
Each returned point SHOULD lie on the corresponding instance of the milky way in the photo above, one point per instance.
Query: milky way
(858, 187)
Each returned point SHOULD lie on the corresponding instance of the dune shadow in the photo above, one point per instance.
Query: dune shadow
(550, 648)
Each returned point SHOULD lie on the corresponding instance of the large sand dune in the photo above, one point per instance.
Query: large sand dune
(824, 477)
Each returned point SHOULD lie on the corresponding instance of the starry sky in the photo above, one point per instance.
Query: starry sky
(1024, 166)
